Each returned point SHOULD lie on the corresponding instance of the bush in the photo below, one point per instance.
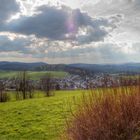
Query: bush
(113, 114)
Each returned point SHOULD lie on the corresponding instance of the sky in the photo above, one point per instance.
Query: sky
(70, 31)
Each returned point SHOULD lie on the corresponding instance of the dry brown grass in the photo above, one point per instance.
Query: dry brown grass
(112, 114)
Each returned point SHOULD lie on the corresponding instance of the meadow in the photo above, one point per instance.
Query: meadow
(34, 75)
(40, 118)
(49, 118)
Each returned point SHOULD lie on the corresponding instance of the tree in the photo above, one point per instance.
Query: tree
(47, 85)
(24, 86)
(3, 95)
(57, 86)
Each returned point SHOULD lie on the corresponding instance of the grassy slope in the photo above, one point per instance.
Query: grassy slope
(33, 74)
(36, 119)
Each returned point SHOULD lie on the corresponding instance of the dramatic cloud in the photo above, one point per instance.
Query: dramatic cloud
(63, 23)
(99, 31)
(7, 9)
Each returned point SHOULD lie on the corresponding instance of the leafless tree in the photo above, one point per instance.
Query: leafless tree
(24, 86)
(3, 94)
(47, 85)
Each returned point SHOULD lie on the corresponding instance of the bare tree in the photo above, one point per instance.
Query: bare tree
(47, 85)
(24, 86)
(3, 94)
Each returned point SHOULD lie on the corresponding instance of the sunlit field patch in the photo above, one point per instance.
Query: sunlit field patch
(38, 118)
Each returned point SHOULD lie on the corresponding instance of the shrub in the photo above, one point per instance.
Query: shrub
(112, 114)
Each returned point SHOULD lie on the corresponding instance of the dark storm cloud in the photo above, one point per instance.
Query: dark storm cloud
(61, 24)
(7, 8)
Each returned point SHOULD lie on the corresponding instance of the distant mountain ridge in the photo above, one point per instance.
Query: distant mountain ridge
(110, 68)
(19, 66)
(72, 68)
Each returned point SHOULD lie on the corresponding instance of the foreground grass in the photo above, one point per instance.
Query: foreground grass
(41, 118)
(34, 75)
(44, 118)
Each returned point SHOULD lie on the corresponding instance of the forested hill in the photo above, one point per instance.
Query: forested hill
(110, 68)
(19, 66)
(72, 68)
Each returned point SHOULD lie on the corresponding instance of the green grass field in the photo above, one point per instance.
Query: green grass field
(41, 118)
(35, 75)
(44, 118)
(135, 77)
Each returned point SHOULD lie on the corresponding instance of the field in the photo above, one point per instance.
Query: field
(44, 118)
(41, 118)
(35, 75)
(134, 77)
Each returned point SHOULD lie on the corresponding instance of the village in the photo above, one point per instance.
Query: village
(74, 82)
